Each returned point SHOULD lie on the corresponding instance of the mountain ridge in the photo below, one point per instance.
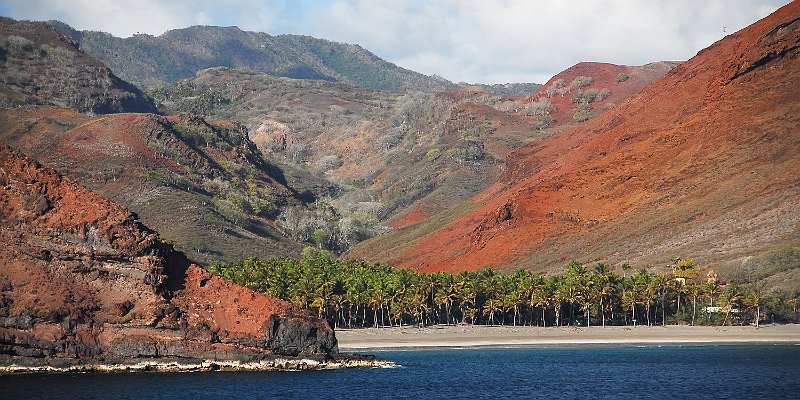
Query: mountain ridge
(154, 61)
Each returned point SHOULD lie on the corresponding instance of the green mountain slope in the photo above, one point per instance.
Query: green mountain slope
(154, 61)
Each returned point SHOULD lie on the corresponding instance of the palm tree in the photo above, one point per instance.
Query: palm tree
(793, 302)
(572, 295)
(602, 289)
(491, 307)
(629, 301)
(444, 298)
(587, 290)
(711, 291)
(695, 290)
(467, 294)
(730, 299)
(632, 294)
(378, 297)
(540, 297)
(662, 282)
(753, 300)
(302, 291)
(555, 283)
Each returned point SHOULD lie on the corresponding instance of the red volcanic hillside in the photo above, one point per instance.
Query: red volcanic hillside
(81, 280)
(704, 162)
(613, 82)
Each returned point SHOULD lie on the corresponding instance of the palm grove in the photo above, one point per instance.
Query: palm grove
(355, 293)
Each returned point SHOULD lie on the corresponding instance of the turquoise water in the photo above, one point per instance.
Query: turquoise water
(669, 372)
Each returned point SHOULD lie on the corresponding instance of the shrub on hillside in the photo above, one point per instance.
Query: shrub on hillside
(583, 113)
(433, 154)
(557, 87)
(329, 162)
(542, 122)
(581, 81)
(622, 77)
(591, 95)
(329, 225)
(539, 108)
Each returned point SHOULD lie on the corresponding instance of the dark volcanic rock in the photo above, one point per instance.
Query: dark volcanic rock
(81, 278)
(294, 336)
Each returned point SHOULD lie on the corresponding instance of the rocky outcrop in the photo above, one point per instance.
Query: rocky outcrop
(81, 279)
(40, 66)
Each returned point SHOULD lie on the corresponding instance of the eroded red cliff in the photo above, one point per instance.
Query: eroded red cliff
(81, 278)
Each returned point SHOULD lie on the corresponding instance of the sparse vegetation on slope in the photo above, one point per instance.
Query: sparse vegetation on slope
(374, 145)
(39, 66)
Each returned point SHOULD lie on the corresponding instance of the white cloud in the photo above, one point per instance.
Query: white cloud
(521, 40)
(463, 40)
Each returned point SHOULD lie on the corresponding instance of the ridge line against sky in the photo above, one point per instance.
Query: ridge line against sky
(476, 41)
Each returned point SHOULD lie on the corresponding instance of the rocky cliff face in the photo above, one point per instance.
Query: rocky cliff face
(82, 279)
(39, 66)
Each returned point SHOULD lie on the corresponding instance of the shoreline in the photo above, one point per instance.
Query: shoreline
(274, 365)
(473, 336)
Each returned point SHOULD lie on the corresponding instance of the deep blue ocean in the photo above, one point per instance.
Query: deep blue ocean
(668, 372)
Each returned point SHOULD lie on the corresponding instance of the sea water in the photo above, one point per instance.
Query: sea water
(622, 372)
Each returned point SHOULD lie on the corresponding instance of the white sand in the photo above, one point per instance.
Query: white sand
(472, 336)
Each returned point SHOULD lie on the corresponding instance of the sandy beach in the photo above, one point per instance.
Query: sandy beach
(479, 335)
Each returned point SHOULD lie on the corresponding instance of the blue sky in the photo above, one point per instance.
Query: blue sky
(477, 41)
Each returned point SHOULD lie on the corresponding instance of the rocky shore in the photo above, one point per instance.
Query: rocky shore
(9, 366)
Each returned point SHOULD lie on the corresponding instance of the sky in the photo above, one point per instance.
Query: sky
(475, 41)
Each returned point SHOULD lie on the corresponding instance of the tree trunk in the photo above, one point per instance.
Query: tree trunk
(544, 321)
(588, 315)
(633, 314)
(758, 314)
(515, 315)
(602, 312)
(694, 308)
